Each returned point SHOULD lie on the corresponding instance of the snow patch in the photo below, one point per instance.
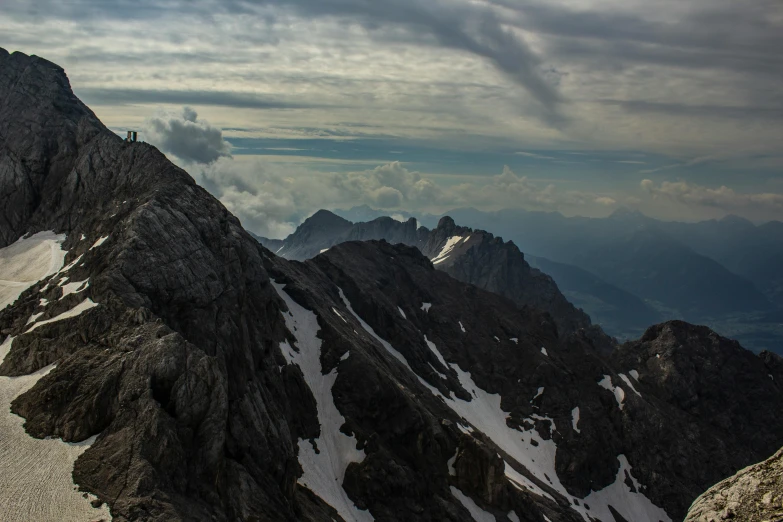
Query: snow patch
(75, 288)
(521, 482)
(450, 464)
(540, 392)
(324, 472)
(496, 338)
(575, 419)
(99, 242)
(36, 481)
(512, 516)
(27, 261)
(543, 350)
(401, 312)
(634, 374)
(426, 306)
(632, 506)
(618, 392)
(461, 327)
(73, 312)
(451, 242)
(478, 514)
(436, 352)
(514, 340)
(339, 315)
(629, 383)
(345, 356)
(323, 250)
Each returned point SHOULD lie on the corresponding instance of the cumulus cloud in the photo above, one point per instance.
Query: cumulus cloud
(186, 137)
(605, 201)
(722, 197)
(271, 199)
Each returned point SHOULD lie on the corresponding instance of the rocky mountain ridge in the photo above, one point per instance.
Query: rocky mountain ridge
(473, 256)
(205, 378)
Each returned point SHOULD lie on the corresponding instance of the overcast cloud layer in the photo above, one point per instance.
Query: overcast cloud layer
(282, 107)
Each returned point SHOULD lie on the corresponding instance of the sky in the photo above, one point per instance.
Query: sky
(282, 107)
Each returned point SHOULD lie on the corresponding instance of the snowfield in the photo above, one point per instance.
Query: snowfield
(26, 262)
(36, 482)
(324, 471)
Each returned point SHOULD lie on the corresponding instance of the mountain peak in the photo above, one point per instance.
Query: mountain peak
(446, 222)
(325, 218)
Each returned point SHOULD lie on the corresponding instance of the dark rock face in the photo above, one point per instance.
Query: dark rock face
(211, 395)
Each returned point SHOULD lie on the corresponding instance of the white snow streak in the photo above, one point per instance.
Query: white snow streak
(447, 248)
(99, 242)
(543, 350)
(339, 315)
(401, 312)
(478, 514)
(461, 327)
(629, 383)
(73, 312)
(618, 392)
(512, 516)
(36, 480)
(575, 419)
(634, 374)
(323, 250)
(324, 472)
(436, 352)
(521, 482)
(450, 464)
(538, 394)
(26, 262)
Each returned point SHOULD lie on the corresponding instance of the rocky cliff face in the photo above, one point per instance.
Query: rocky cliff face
(754, 494)
(205, 378)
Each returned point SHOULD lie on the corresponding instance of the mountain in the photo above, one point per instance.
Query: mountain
(620, 313)
(473, 256)
(158, 364)
(324, 229)
(652, 264)
(752, 252)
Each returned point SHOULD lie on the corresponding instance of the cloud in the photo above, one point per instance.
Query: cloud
(723, 197)
(187, 138)
(271, 200)
(239, 100)
(605, 201)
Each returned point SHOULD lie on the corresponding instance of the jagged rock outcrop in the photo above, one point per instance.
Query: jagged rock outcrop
(755, 494)
(209, 379)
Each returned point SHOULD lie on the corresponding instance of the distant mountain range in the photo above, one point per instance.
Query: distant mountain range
(725, 273)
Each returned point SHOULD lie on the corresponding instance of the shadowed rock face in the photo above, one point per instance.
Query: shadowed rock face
(186, 370)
